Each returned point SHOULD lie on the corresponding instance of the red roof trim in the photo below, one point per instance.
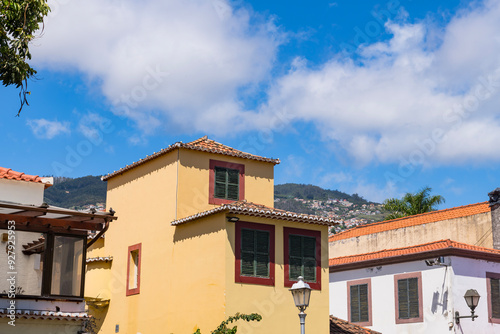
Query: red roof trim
(417, 252)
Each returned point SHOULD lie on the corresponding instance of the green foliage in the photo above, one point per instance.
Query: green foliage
(222, 329)
(412, 204)
(19, 19)
(309, 192)
(71, 193)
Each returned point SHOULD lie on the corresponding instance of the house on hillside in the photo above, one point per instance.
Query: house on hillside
(42, 276)
(199, 240)
(418, 289)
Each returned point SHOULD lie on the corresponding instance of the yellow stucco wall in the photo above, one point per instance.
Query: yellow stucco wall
(187, 271)
(275, 303)
(474, 230)
(144, 199)
(194, 181)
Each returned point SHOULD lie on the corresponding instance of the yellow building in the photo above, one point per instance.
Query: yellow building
(191, 247)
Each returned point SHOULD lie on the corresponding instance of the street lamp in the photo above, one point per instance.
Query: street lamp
(472, 299)
(301, 292)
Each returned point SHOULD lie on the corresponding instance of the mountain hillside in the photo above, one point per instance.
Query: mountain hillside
(310, 192)
(76, 193)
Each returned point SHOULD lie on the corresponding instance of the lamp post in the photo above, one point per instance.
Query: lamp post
(301, 292)
(472, 299)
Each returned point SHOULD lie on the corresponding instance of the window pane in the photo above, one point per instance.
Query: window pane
(254, 253)
(67, 266)
(413, 297)
(309, 247)
(295, 247)
(310, 270)
(354, 291)
(403, 298)
(220, 174)
(232, 192)
(233, 176)
(495, 297)
(29, 250)
(363, 303)
(262, 265)
(295, 267)
(247, 240)
(220, 190)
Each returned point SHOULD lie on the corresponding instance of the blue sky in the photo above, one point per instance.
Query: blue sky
(377, 98)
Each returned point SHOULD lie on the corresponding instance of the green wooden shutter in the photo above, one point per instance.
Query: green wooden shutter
(413, 297)
(354, 291)
(363, 303)
(403, 306)
(302, 257)
(359, 303)
(247, 252)
(295, 256)
(220, 182)
(262, 254)
(309, 258)
(408, 302)
(226, 183)
(255, 247)
(495, 297)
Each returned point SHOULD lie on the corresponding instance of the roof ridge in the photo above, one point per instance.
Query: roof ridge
(249, 208)
(384, 222)
(198, 146)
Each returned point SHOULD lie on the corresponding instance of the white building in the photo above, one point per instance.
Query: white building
(397, 291)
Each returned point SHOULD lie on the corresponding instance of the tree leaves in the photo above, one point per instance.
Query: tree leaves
(412, 204)
(19, 20)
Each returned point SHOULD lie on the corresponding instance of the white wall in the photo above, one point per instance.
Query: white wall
(442, 291)
(471, 274)
(22, 192)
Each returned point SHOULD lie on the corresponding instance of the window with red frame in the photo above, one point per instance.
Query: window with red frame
(302, 256)
(493, 287)
(254, 253)
(408, 291)
(134, 270)
(226, 182)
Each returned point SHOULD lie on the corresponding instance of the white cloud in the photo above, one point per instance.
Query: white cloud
(421, 96)
(406, 98)
(188, 61)
(45, 129)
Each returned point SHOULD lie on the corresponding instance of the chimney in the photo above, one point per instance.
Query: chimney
(495, 216)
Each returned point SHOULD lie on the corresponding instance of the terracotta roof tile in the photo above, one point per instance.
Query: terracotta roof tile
(45, 315)
(9, 174)
(258, 210)
(100, 259)
(202, 144)
(398, 252)
(424, 218)
(339, 326)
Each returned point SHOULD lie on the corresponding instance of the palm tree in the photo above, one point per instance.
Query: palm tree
(412, 204)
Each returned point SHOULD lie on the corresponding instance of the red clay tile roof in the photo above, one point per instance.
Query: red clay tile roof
(339, 326)
(45, 315)
(259, 210)
(434, 246)
(9, 174)
(202, 144)
(424, 218)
